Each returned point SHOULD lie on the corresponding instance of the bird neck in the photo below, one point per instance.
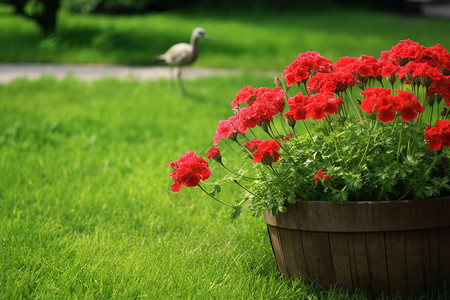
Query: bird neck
(194, 41)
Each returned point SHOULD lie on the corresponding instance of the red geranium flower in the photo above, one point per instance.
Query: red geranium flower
(344, 62)
(268, 102)
(406, 51)
(321, 104)
(246, 94)
(407, 105)
(188, 170)
(362, 68)
(214, 153)
(322, 176)
(306, 64)
(424, 72)
(382, 101)
(330, 82)
(438, 135)
(297, 107)
(229, 128)
(389, 68)
(264, 151)
(441, 87)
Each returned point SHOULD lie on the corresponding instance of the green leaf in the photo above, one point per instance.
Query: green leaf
(236, 212)
(215, 190)
(282, 209)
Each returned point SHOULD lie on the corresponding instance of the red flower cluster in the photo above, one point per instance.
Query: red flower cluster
(229, 128)
(325, 83)
(264, 151)
(188, 170)
(263, 105)
(428, 66)
(304, 65)
(438, 135)
(297, 107)
(214, 153)
(321, 104)
(245, 95)
(322, 176)
(316, 107)
(330, 82)
(382, 101)
(406, 51)
(363, 68)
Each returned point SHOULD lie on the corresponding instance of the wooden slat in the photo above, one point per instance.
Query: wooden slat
(376, 257)
(361, 261)
(414, 262)
(351, 257)
(369, 216)
(444, 246)
(341, 260)
(432, 277)
(288, 251)
(277, 249)
(395, 251)
(318, 258)
(299, 253)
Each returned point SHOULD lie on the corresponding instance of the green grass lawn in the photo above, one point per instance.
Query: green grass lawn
(247, 39)
(84, 206)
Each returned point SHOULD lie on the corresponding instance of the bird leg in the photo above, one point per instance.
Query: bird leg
(180, 81)
(171, 77)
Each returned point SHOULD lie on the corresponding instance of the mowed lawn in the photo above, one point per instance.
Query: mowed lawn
(84, 204)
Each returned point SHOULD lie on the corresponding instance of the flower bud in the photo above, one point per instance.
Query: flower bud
(430, 99)
(425, 81)
(360, 84)
(291, 122)
(265, 126)
(214, 153)
(392, 77)
(233, 136)
(278, 82)
(267, 160)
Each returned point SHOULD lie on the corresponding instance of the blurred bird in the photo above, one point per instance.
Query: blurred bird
(183, 54)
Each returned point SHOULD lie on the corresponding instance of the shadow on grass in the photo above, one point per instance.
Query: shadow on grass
(127, 41)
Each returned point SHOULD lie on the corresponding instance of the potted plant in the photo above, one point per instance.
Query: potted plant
(352, 175)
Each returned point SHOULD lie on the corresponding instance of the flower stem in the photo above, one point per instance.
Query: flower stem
(234, 173)
(431, 115)
(245, 149)
(273, 170)
(399, 142)
(282, 121)
(243, 187)
(353, 105)
(368, 144)
(220, 201)
(309, 133)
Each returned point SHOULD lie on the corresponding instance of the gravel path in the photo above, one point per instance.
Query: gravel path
(11, 71)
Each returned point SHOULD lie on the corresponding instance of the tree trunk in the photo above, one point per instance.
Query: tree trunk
(48, 16)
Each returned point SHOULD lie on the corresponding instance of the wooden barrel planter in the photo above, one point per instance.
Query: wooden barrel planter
(381, 247)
